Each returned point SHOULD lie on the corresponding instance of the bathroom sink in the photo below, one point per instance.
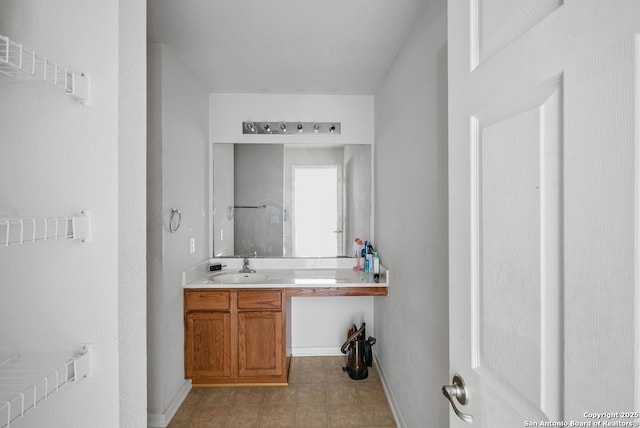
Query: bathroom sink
(237, 278)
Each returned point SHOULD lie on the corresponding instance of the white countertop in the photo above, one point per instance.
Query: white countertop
(282, 273)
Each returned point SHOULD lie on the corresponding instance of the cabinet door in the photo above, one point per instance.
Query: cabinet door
(260, 344)
(208, 344)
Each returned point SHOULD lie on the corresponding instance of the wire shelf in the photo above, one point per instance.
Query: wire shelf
(26, 379)
(14, 59)
(35, 229)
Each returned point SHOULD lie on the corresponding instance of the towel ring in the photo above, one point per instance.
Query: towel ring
(175, 211)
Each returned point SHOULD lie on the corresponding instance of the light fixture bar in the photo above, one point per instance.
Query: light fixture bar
(266, 128)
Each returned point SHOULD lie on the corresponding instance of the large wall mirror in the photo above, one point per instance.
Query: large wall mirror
(276, 200)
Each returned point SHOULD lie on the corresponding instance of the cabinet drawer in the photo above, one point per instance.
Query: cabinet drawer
(259, 299)
(206, 300)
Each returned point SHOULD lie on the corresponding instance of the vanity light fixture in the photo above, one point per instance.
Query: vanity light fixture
(249, 126)
(283, 128)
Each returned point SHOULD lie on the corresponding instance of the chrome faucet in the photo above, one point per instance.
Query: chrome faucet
(245, 266)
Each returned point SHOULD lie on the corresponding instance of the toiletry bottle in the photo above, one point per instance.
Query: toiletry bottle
(369, 257)
(376, 267)
(363, 254)
(358, 250)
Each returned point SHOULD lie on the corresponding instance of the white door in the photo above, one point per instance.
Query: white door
(544, 189)
(317, 233)
(314, 212)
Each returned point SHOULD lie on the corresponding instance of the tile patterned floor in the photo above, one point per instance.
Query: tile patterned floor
(319, 394)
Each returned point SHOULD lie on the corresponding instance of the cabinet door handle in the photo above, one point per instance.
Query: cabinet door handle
(459, 391)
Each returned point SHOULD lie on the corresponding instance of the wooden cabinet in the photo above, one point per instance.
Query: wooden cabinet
(235, 336)
(260, 333)
(208, 344)
(260, 336)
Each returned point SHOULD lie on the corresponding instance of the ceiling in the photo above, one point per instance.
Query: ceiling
(284, 46)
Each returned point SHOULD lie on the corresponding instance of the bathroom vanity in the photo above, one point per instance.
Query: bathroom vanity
(236, 326)
(235, 335)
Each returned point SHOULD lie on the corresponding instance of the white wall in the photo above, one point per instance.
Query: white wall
(228, 111)
(411, 223)
(132, 188)
(178, 157)
(319, 325)
(57, 159)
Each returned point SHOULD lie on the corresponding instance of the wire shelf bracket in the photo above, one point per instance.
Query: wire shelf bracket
(28, 379)
(15, 60)
(35, 229)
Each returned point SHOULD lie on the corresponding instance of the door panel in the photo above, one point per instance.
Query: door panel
(517, 215)
(497, 23)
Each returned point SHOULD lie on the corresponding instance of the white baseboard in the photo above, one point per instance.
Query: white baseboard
(387, 390)
(161, 420)
(315, 352)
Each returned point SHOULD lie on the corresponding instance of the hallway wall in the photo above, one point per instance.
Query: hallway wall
(178, 174)
(411, 223)
(59, 158)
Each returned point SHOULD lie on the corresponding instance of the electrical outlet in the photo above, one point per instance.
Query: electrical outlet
(192, 245)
